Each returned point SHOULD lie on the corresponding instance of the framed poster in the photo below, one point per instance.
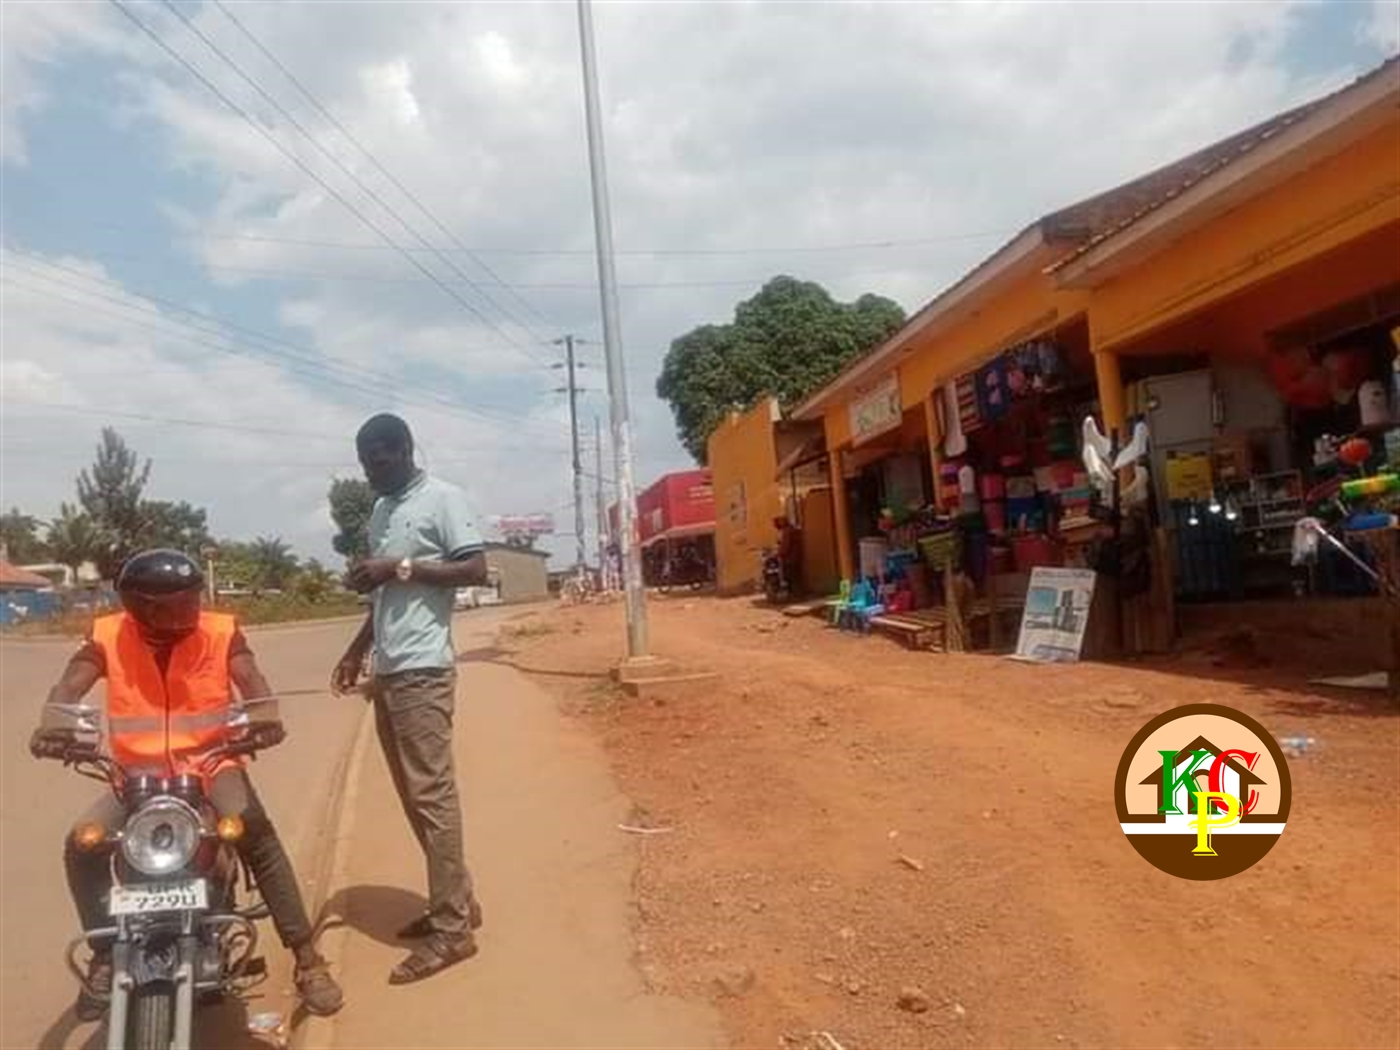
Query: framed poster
(1056, 614)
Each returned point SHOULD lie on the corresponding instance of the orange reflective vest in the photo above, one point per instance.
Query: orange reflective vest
(153, 718)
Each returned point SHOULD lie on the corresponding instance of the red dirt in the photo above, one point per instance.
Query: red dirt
(795, 785)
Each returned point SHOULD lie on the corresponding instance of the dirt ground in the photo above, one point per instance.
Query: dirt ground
(794, 787)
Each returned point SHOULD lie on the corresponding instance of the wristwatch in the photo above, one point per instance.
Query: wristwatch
(404, 570)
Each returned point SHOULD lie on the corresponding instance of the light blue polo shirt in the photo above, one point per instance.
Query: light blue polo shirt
(428, 521)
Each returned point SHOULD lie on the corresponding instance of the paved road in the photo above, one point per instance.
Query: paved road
(38, 801)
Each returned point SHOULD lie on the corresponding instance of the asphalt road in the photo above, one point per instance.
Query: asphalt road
(39, 801)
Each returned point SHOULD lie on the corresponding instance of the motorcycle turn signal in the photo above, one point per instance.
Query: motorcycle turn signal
(230, 829)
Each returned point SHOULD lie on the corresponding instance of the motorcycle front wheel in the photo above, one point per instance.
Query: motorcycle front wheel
(151, 1018)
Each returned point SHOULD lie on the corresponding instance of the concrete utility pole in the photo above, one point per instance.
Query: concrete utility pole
(580, 557)
(602, 504)
(612, 344)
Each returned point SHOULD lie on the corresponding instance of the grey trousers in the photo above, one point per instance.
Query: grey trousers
(413, 716)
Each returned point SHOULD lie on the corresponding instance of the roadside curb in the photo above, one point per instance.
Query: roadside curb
(332, 870)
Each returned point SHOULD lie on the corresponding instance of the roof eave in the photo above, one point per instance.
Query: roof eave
(1334, 125)
(1006, 264)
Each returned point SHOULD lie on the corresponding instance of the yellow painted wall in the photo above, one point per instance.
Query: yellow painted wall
(1029, 307)
(743, 457)
(1340, 200)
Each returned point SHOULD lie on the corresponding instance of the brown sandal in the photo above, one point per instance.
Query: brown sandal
(432, 957)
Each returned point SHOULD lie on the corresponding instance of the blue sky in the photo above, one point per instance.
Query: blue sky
(751, 132)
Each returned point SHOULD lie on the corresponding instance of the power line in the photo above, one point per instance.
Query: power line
(278, 273)
(344, 168)
(234, 350)
(422, 208)
(302, 353)
(789, 249)
(308, 171)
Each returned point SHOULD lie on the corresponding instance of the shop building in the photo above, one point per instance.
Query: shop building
(1243, 302)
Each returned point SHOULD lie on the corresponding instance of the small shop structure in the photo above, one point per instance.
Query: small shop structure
(1240, 307)
(769, 469)
(25, 595)
(518, 574)
(676, 527)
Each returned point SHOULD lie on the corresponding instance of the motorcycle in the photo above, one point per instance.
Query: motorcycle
(183, 906)
(775, 582)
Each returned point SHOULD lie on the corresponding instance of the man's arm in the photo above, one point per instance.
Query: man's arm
(464, 572)
(78, 678)
(347, 673)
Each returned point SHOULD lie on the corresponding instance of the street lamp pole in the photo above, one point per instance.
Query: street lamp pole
(612, 346)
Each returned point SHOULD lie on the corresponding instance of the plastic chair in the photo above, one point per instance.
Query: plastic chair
(843, 603)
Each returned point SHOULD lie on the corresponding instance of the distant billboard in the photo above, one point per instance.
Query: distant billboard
(524, 524)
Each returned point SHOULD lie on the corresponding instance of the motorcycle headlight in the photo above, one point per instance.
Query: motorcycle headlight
(161, 837)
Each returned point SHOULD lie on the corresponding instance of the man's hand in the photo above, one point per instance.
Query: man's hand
(346, 675)
(51, 743)
(267, 734)
(365, 576)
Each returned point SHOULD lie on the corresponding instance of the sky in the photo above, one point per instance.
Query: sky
(386, 206)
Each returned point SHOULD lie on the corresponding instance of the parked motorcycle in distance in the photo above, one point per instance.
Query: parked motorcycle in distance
(775, 582)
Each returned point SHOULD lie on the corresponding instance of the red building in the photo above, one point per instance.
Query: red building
(676, 525)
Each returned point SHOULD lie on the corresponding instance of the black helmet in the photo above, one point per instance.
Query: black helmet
(161, 591)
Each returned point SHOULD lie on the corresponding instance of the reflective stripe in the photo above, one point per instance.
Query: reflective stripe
(215, 719)
(137, 724)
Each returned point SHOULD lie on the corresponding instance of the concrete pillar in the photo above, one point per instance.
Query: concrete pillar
(841, 514)
(935, 437)
(1109, 377)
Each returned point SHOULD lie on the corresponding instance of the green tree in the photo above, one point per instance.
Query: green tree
(313, 582)
(352, 501)
(788, 340)
(179, 526)
(235, 566)
(19, 534)
(275, 564)
(73, 538)
(110, 492)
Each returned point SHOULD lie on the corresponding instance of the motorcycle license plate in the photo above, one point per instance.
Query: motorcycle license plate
(151, 898)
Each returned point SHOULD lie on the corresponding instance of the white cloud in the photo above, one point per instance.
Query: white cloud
(727, 124)
(1382, 29)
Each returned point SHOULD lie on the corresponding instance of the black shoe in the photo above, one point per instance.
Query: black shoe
(423, 925)
(96, 993)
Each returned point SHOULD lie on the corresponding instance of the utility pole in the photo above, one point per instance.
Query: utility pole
(636, 604)
(580, 557)
(602, 507)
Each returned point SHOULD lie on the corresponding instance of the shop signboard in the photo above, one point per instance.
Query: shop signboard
(1057, 611)
(876, 411)
(1189, 476)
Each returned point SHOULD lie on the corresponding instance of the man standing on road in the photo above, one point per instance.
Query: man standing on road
(424, 544)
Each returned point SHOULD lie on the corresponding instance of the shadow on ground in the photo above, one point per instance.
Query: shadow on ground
(377, 912)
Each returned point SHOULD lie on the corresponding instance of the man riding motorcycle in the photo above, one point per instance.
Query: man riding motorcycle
(170, 670)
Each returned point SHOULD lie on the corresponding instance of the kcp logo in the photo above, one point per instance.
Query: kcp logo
(1203, 791)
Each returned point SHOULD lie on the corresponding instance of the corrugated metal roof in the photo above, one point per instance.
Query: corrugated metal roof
(14, 576)
(1095, 220)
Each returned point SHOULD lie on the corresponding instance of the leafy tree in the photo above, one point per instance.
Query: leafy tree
(352, 501)
(19, 534)
(179, 526)
(235, 565)
(788, 340)
(274, 562)
(313, 582)
(110, 492)
(73, 538)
